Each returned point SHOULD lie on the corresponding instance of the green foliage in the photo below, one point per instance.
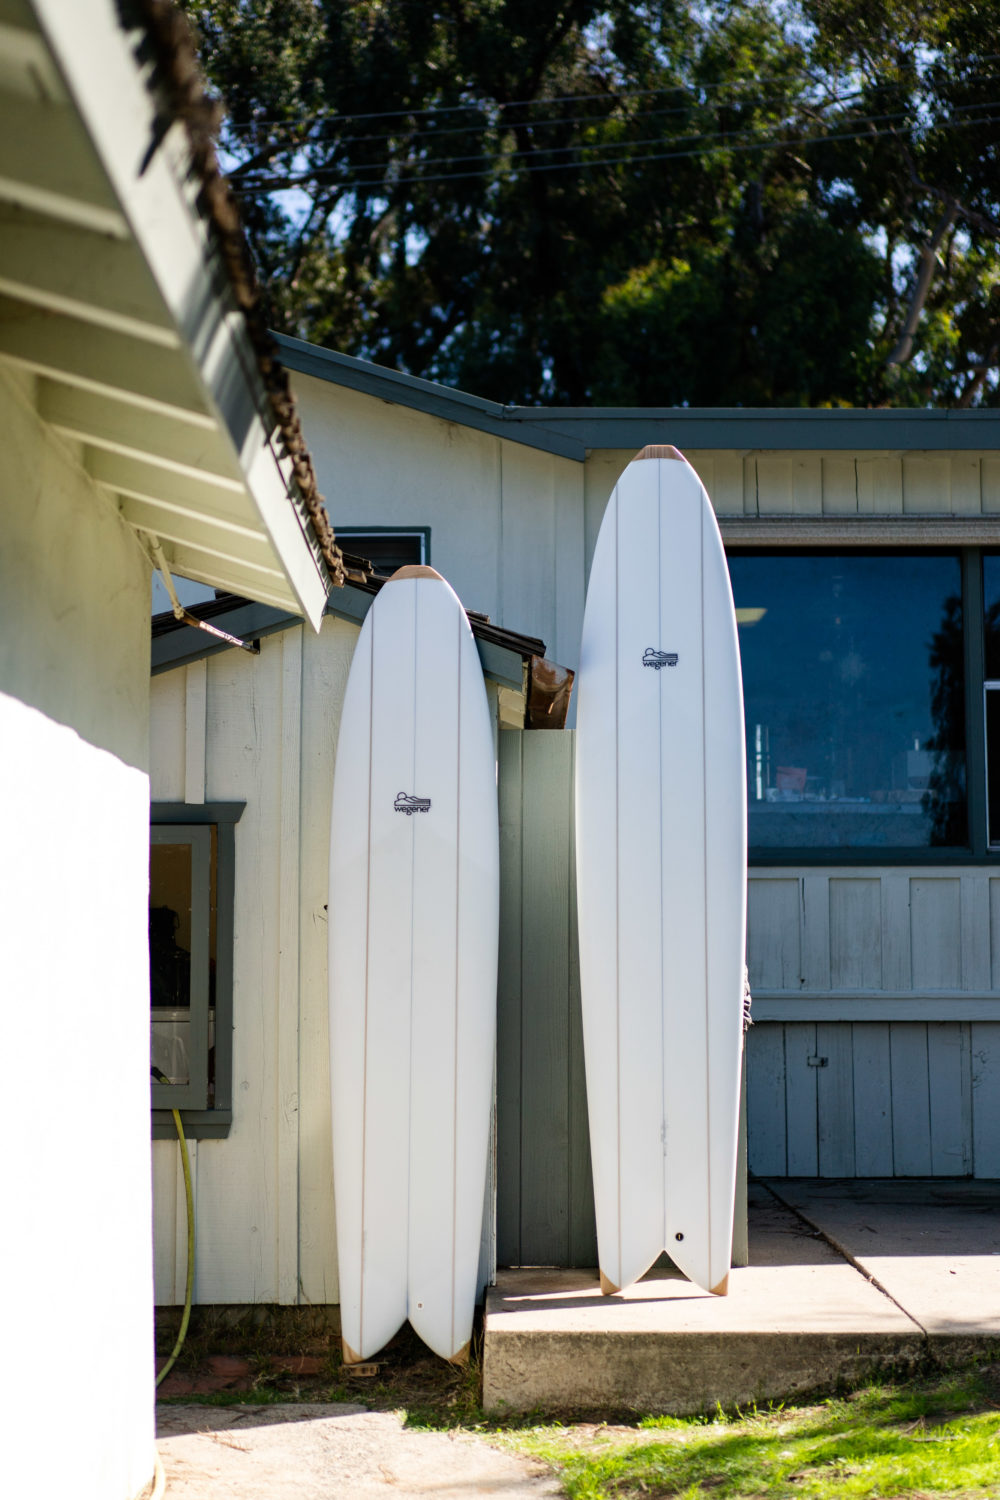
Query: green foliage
(570, 201)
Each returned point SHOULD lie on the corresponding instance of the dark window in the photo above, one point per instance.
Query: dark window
(183, 929)
(853, 674)
(191, 893)
(991, 666)
(387, 550)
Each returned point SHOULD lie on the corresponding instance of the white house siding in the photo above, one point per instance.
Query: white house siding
(817, 484)
(262, 731)
(505, 519)
(74, 683)
(513, 530)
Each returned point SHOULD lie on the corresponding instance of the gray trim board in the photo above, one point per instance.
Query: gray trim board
(762, 856)
(570, 432)
(199, 1124)
(860, 531)
(196, 812)
(875, 1005)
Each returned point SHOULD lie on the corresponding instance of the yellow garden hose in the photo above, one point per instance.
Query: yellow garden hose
(189, 1199)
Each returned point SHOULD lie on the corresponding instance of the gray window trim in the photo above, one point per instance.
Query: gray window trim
(200, 1123)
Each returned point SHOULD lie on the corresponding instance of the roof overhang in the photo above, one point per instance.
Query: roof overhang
(575, 432)
(534, 693)
(112, 296)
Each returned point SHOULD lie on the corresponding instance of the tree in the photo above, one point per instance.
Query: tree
(566, 201)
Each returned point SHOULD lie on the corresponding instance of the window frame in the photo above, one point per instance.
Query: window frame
(977, 851)
(347, 533)
(186, 817)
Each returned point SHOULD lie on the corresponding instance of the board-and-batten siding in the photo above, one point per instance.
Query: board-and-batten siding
(261, 730)
(545, 1196)
(505, 519)
(513, 529)
(844, 484)
(818, 486)
(876, 1051)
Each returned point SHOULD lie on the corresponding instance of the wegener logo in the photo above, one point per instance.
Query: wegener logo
(657, 659)
(404, 803)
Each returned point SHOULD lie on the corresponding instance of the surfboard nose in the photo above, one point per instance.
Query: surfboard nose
(659, 450)
(418, 570)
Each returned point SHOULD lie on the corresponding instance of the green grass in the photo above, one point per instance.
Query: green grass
(928, 1438)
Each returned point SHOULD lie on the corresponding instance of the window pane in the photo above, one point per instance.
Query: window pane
(993, 765)
(854, 684)
(385, 550)
(991, 601)
(170, 890)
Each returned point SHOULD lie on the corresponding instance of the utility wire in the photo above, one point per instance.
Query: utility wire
(743, 101)
(321, 175)
(608, 95)
(718, 135)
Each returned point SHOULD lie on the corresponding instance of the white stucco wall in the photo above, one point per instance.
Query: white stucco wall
(74, 676)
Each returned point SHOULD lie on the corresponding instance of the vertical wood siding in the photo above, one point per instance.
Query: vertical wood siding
(849, 484)
(857, 1091)
(545, 1212)
(261, 730)
(545, 1198)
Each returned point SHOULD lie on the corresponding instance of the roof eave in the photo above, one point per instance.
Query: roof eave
(148, 171)
(575, 432)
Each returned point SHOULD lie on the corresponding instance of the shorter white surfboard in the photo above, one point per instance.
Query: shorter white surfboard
(661, 876)
(413, 919)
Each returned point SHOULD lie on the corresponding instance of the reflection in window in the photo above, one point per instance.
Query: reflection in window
(182, 957)
(991, 661)
(854, 685)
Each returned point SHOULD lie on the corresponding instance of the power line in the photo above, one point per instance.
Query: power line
(607, 95)
(720, 141)
(753, 101)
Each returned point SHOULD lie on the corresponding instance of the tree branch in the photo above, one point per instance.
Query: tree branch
(925, 275)
(979, 374)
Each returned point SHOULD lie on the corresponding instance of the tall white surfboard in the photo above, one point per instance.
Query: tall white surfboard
(413, 919)
(661, 876)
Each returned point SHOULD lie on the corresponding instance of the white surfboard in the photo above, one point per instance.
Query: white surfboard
(413, 918)
(661, 876)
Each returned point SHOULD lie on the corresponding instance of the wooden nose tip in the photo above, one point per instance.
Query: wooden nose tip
(660, 450)
(415, 570)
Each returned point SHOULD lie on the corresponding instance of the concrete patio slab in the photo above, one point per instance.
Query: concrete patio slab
(933, 1246)
(310, 1451)
(797, 1318)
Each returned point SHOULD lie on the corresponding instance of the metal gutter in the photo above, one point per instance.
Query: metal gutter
(573, 432)
(504, 654)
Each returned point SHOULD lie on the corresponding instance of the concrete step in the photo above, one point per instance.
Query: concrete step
(799, 1318)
